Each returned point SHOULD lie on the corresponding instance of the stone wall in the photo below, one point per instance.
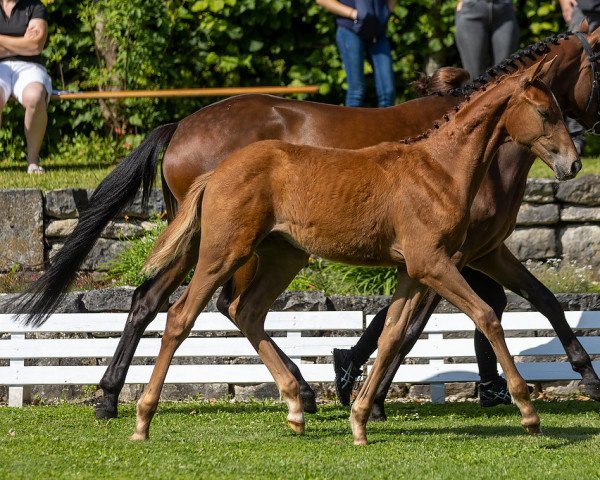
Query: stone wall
(556, 221)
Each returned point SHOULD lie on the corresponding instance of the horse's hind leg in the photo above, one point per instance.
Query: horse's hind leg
(507, 270)
(230, 291)
(146, 302)
(278, 263)
(442, 275)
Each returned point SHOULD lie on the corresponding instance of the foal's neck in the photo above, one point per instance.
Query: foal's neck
(466, 144)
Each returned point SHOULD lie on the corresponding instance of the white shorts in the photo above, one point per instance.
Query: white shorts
(15, 75)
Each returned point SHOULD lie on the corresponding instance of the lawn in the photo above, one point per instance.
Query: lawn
(232, 440)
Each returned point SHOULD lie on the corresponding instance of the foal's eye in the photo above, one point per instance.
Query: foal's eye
(543, 113)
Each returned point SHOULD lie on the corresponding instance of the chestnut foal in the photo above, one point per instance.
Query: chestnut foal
(402, 204)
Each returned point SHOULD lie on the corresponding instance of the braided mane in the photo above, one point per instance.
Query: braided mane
(493, 74)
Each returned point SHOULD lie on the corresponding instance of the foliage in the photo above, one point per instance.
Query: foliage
(565, 277)
(250, 440)
(147, 44)
(126, 269)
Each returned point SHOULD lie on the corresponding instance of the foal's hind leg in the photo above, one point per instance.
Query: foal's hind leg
(146, 302)
(442, 275)
(230, 291)
(278, 263)
(211, 272)
(502, 265)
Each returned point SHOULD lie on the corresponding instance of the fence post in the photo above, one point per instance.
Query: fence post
(438, 390)
(18, 394)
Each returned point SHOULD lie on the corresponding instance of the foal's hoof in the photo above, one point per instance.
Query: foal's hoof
(360, 441)
(309, 404)
(138, 437)
(591, 389)
(533, 430)
(296, 422)
(378, 413)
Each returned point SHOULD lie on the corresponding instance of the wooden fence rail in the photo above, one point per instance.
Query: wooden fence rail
(183, 92)
(306, 337)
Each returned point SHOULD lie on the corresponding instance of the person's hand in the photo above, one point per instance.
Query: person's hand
(567, 9)
(459, 5)
(32, 32)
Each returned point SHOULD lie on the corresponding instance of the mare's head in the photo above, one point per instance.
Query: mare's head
(583, 86)
(535, 121)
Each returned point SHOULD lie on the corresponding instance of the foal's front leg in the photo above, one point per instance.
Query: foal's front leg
(502, 265)
(404, 302)
(443, 276)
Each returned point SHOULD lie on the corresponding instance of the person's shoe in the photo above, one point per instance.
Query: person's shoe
(34, 169)
(494, 393)
(346, 374)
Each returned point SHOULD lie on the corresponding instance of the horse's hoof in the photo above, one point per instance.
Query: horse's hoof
(105, 412)
(296, 427)
(362, 441)
(591, 390)
(309, 404)
(377, 413)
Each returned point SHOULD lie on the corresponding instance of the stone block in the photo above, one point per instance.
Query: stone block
(580, 214)
(66, 203)
(60, 228)
(123, 230)
(581, 245)
(22, 229)
(540, 190)
(582, 190)
(532, 214)
(156, 205)
(262, 391)
(533, 243)
(103, 252)
(108, 299)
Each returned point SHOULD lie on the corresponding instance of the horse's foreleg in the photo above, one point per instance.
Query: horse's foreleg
(406, 298)
(443, 276)
(502, 265)
(147, 299)
(278, 263)
(230, 291)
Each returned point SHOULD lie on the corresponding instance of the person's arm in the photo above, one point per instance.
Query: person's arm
(338, 8)
(392, 4)
(567, 9)
(32, 43)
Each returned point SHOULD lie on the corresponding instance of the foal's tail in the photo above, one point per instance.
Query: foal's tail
(113, 194)
(176, 239)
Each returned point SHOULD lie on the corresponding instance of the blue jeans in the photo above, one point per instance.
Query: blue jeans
(354, 50)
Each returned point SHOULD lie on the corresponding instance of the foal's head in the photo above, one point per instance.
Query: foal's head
(535, 120)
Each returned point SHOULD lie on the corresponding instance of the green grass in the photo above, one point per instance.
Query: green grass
(224, 440)
(591, 166)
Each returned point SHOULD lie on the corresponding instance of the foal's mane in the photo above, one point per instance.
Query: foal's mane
(495, 74)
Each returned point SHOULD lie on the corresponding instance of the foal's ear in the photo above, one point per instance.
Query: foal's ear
(544, 70)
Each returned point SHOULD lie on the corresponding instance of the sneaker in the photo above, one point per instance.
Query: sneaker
(494, 393)
(346, 374)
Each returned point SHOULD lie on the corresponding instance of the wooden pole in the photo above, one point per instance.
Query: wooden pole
(186, 92)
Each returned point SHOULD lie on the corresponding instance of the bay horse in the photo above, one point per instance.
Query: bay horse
(201, 141)
(404, 204)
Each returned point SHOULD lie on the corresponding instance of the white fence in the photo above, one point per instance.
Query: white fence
(307, 339)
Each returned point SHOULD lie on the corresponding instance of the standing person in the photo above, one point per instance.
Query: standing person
(361, 34)
(486, 33)
(23, 33)
(574, 12)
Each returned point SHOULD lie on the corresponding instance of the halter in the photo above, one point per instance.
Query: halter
(593, 59)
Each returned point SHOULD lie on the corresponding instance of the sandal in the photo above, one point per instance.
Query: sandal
(33, 168)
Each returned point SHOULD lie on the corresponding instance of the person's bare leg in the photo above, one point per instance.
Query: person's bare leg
(36, 119)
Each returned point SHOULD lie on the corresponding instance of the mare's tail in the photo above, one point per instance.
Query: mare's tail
(113, 194)
(176, 239)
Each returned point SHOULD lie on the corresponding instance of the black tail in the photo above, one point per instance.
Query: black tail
(113, 194)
